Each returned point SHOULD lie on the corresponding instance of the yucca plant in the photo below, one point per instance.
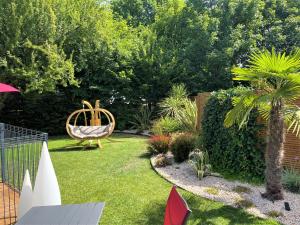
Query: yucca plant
(200, 162)
(178, 106)
(174, 101)
(187, 116)
(142, 120)
(275, 81)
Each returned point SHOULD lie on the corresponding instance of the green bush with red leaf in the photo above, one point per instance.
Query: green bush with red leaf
(158, 144)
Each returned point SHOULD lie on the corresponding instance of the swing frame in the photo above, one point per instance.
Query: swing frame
(95, 120)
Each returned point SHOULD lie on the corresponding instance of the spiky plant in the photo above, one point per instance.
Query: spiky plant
(275, 81)
(174, 101)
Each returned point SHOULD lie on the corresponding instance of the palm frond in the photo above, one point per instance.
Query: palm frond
(243, 106)
(240, 112)
(292, 118)
(275, 62)
(272, 67)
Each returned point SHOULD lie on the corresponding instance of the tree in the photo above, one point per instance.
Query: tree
(29, 55)
(275, 81)
(136, 12)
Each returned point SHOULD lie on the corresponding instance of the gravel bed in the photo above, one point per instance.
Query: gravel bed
(184, 176)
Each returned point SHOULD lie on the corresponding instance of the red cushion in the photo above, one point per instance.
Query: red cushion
(177, 210)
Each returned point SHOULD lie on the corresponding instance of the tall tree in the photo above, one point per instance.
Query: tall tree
(275, 81)
(29, 55)
(136, 12)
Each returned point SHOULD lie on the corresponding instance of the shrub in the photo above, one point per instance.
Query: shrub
(181, 145)
(274, 213)
(162, 160)
(291, 180)
(187, 115)
(242, 148)
(200, 162)
(179, 110)
(142, 120)
(241, 189)
(173, 102)
(166, 125)
(158, 144)
(244, 203)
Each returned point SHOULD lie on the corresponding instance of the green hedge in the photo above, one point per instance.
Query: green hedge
(232, 150)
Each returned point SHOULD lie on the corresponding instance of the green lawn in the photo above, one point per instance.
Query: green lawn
(120, 175)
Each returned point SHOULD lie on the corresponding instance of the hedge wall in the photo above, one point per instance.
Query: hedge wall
(48, 112)
(232, 149)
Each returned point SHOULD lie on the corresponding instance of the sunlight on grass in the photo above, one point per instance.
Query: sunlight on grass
(121, 176)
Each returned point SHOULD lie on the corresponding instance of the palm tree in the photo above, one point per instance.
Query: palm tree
(275, 84)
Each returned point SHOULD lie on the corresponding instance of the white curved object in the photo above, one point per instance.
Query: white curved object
(26, 196)
(90, 131)
(46, 190)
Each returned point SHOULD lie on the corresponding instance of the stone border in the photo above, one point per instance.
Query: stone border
(145, 133)
(183, 176)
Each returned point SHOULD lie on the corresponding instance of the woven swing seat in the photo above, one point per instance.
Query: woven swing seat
(90, 132)
(87, 124)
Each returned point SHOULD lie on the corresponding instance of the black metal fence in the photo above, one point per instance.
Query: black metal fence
(20, 150)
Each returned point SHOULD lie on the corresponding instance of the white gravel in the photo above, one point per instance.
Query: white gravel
(184, 176)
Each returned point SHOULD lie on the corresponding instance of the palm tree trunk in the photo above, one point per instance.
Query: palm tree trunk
(274, 153)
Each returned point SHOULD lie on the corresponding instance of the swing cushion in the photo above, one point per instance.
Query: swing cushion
(86, 132)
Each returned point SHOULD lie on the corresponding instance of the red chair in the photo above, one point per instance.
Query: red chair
(177, 210)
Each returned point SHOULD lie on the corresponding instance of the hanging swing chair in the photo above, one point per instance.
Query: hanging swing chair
(92, 118)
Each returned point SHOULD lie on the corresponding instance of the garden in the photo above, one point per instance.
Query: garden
(130, 98)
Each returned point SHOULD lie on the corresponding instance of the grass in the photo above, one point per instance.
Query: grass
(121, 176)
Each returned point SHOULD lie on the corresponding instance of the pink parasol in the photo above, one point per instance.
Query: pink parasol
(7, 88)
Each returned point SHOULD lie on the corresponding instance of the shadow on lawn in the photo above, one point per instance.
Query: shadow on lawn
(145, 155)
(154, 214)
(74, 148)
(206, 212)
(203, 212)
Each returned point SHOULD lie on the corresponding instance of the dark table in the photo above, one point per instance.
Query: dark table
(77, 214)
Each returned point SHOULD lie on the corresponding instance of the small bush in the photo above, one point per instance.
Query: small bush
(181, 145)
(162, 161)
(142, 120)
(200, 162)
(242, 189)
(166, 125)
(158, 144)
(291, 180)
(244, 203)
(274, 213)
(179, 111)
(212, 191)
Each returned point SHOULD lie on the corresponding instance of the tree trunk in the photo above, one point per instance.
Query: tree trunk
(274, 153)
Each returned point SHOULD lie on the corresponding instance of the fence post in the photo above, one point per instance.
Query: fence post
(2, 146)
(201, 100)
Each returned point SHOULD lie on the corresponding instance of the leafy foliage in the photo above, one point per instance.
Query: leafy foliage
(166, 125)
(242, 148)
(130, 52)
(200, 162)
(274, 78)
(179, 110)
(174, 102)
(291, 180)
(158, 144)
(142, 120)
(181, 145)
